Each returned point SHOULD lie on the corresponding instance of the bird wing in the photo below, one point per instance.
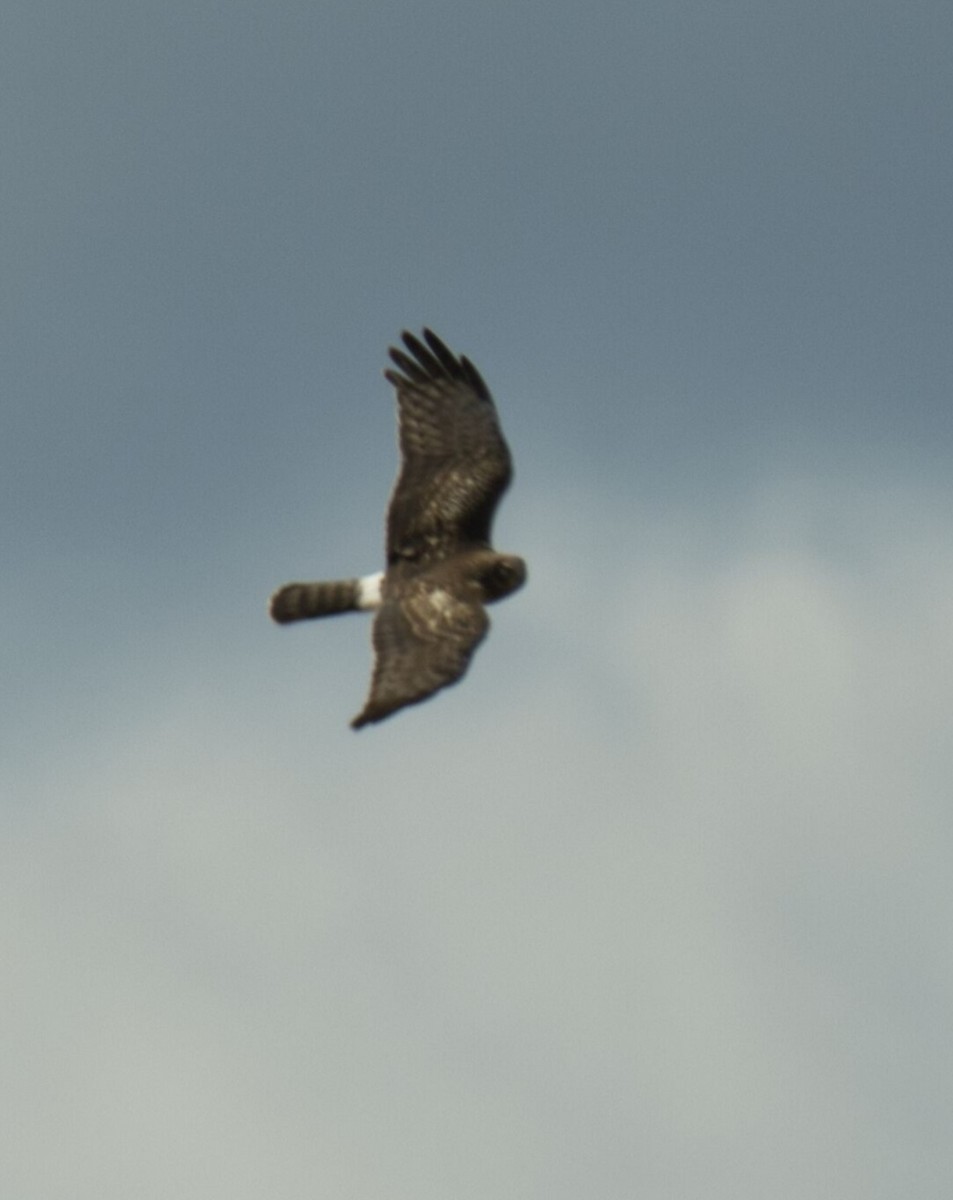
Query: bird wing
(425, 634)
(455, 463)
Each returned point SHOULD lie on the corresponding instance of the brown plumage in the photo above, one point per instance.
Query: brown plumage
(301, 601)
(441, 568)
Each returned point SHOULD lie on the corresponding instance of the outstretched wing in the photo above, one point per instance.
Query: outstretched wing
(455, 463)
(424, 638)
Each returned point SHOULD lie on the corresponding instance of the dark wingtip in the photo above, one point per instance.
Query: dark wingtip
(417, 369)
(475, 378)
(436, 344)
(432, 358)
(371, 714)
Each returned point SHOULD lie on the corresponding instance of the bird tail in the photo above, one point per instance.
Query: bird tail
(303, 601)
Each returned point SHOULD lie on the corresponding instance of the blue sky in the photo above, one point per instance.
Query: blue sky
(658, 902)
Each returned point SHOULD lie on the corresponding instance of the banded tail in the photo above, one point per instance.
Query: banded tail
(305, 601)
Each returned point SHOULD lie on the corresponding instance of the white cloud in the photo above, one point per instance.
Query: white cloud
(656, 902)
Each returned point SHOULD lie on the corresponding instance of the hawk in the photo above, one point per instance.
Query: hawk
(441, 568)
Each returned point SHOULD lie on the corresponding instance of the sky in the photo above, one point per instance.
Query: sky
(658, 902)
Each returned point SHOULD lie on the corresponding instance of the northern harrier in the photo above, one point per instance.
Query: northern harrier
(441, 568)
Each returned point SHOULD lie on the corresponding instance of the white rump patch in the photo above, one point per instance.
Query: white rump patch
(369, 591)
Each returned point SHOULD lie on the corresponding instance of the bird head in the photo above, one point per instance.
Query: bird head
(501, 574)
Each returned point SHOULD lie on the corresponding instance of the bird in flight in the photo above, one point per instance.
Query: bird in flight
(441, 568)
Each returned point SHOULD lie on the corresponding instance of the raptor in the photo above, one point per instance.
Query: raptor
(442, 571)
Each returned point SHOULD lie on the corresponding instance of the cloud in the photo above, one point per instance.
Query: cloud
(657, 900)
